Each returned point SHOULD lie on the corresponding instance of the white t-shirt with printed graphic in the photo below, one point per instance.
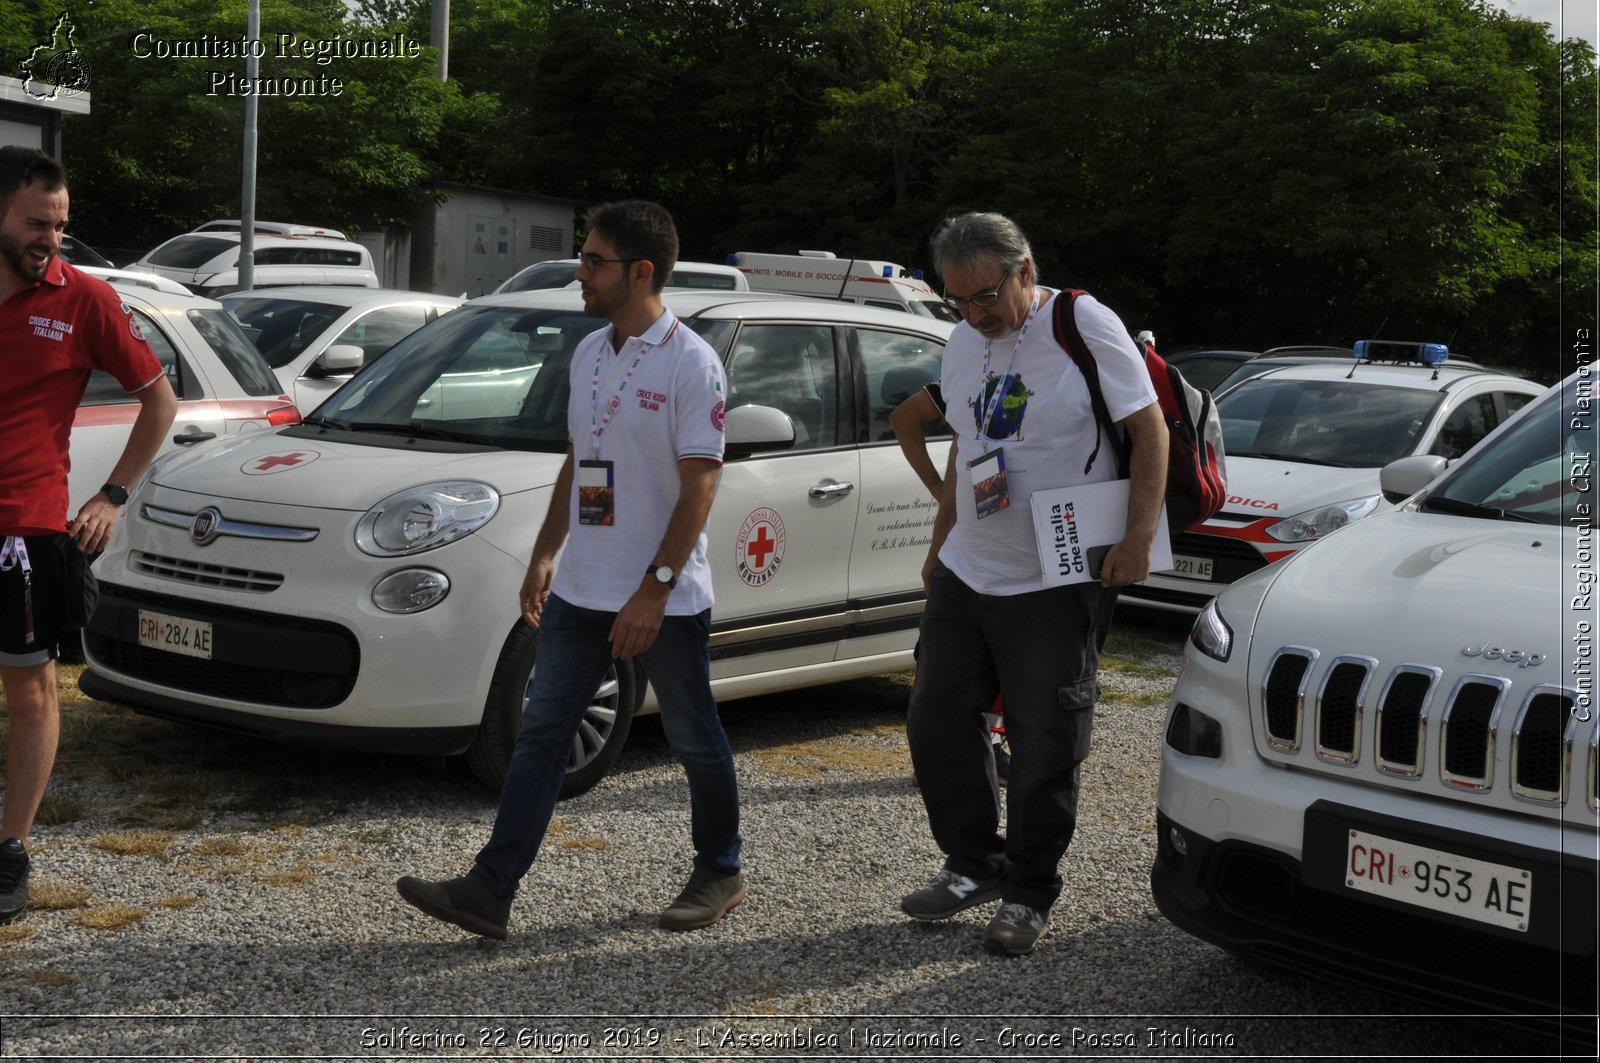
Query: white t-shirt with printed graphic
(670, 409)
(1045, 426)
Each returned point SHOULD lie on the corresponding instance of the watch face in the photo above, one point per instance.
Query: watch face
(664, 574)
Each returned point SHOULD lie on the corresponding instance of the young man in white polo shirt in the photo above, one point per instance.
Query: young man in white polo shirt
(645, 430)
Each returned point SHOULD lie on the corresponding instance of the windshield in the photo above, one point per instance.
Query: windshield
(1536, 470)
(542, 275)
(492, 375)
(281, 328)
(191, 252)
(1349, 423)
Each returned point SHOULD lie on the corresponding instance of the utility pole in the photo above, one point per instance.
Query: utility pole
(441, 36)
(247, 192)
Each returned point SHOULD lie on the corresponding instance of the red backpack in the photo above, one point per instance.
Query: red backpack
(1196, 471)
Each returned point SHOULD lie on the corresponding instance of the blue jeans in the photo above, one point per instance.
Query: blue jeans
(574, 653)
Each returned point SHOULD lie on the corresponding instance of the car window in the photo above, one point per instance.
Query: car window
(191, 252)
(381, 329)
(1467, 424)
(1515, 400)
(1528, 472)
(791, 368)
(104, 390)
(684, 278)
(883, 305)
(1207, 373)
(897, 366)
(281, 328)
(1326, 422)
(234, 350)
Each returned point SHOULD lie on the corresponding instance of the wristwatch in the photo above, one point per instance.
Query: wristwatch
(115, 494)
(663, 574)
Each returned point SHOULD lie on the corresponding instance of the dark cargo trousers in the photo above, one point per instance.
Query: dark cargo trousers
(1041, 650)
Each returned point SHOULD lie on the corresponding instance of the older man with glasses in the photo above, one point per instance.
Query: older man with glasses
(1020, 412)
(630, 507)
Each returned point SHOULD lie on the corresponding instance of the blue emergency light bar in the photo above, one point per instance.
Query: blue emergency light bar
(1396, 351)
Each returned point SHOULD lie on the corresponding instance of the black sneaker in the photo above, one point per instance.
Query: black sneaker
(948, 894)
(1015, 929)
(464, 901)
(13, 879)
(709, 896)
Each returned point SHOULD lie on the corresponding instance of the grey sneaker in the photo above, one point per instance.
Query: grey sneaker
(1015, 929)
(464, 901)
(13, 879)
(948, 894)
(709, 896)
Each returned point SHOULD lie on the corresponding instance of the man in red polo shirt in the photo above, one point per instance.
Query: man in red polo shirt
(57, 325)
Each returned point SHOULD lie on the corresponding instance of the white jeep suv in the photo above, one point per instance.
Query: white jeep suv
(1380, 757)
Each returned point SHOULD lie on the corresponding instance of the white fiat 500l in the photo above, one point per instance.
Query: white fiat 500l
(354, 579)
(1381, 755)
(1304, 446)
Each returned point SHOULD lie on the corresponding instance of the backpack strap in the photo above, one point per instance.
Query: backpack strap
(1065, 319)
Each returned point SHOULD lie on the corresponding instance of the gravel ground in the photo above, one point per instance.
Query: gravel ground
(206, 897)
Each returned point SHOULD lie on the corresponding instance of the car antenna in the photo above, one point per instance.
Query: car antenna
(1375, 334)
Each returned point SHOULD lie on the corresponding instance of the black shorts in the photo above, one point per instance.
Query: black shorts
(32, 602)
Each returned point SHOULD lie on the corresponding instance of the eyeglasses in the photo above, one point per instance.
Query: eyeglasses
(592, 262)
(982, 299)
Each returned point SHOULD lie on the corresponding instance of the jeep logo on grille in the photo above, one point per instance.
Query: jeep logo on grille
(204, 530)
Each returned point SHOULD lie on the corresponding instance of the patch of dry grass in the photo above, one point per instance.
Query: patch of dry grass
(13, 933)
(55, 979)
(298, 875)
(178, 901)
(136, 842)
(847, 754)
(108, 917)
(49, 895)
(222, 845)
(58, 808)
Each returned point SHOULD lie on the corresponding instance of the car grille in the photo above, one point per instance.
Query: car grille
(1413, 716)
(1231, 559)
(186, 571)
(268, 658)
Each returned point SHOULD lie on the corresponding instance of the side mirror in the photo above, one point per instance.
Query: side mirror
(340, 358)
(752, 428)
(1401, 479)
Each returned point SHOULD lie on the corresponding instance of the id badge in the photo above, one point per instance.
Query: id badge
(989, 488)
(596, 493)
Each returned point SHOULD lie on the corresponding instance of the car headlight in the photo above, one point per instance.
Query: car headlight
(1315, 523)
(424, 517)
(1211, 634)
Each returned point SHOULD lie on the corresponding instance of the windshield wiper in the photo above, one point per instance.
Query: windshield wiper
(1288, 457)
(1444, 504)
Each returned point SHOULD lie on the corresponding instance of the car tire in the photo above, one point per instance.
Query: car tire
(601, 735)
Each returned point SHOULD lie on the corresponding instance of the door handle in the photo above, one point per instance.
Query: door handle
(193, 436)
(833, 490)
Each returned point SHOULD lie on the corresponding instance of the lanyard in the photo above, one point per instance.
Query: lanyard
(598, 421)
(999, 392)
(14, 554)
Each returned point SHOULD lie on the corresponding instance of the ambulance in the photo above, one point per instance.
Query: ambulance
(824, 275)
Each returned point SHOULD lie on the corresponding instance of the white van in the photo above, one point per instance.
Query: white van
(208, 263)
(824, 275)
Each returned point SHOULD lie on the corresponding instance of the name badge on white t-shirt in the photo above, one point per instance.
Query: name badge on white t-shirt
(596, 493)
(991, 493)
